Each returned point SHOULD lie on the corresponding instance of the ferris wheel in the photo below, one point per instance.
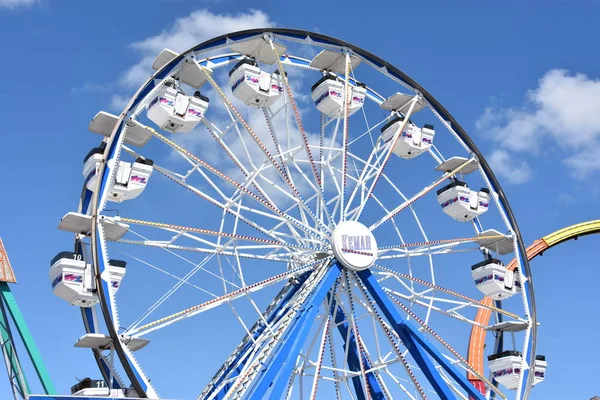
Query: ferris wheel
(298, 219)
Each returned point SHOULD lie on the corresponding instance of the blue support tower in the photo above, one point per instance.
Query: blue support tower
(420, 348)
(238, 364)
(282, 361)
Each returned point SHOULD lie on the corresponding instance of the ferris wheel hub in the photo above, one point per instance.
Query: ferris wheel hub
(354, 245)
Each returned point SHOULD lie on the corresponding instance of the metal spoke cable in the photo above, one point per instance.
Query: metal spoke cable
(265, 151)
(447, 291)
(244, 379)
(357, 335)
(271, 233)
(390, 336)
(232, 182)
(217, 301)
(296, 112)
(347, 101)
(423, 192)
(447, 345)
(426, 244)
(209, 232)
(392, 145)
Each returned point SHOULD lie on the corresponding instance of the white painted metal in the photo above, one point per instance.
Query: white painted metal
(104, 124)
(334, 61)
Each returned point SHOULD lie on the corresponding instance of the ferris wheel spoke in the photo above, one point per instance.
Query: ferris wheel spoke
(235, 160)
(282, 160)
(440, 250)
(216, 248)
(447, 345)
(238, 360)
(371, 166)
(186, 230)
(347, 100)
(168, 246)
(476, 303)
(253, 378)
(290, 97)
(228, 208)
(414, 299)
(318, 195)
(375, 371)
(197, 267)
(285, 216)
(391, 335)
(357, 336)
(436, 244)
(267, 154)
(217, 301)
(165, 272)
(400, 385)
(237, 185)
(388, 154)
(419, 347)
(423, 192)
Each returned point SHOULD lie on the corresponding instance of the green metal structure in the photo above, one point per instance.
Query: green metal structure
(9, 310)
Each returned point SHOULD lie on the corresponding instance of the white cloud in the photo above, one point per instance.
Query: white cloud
(186, 32)
(118, 102)
(17, 3)
(506, 166)
(91, 87)
(562, 113)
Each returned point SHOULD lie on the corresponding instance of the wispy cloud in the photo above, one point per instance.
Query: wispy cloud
(91, 87)
(186, 32)
(508, 167)
(562, 113)
(11, 4)
(118, 102)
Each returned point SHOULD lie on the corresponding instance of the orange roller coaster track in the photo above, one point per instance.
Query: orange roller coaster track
(476, 355)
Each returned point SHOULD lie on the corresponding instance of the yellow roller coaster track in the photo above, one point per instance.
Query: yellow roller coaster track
(477, 340)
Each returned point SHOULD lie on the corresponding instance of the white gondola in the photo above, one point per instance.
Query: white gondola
(506, 368)
(494, 280)
(328, 95)
(71, 278)
(461, 203)
(91, 388)
(255, 87)
(173, 111)
(413, 140)
(131, 179)
(540, 369)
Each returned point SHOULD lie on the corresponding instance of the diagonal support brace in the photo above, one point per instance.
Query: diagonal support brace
(276, 371)
(353, 361)
(420, 348)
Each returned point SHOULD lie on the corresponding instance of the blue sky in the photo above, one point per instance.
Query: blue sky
(523, 80)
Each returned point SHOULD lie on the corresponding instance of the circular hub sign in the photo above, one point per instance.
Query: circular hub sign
(354, 245)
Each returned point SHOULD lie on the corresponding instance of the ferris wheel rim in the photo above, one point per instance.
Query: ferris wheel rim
(298, 34)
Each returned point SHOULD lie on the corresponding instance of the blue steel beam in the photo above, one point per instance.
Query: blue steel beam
(237, 365)
(284, 356)
(417, 344)
(353, 360)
